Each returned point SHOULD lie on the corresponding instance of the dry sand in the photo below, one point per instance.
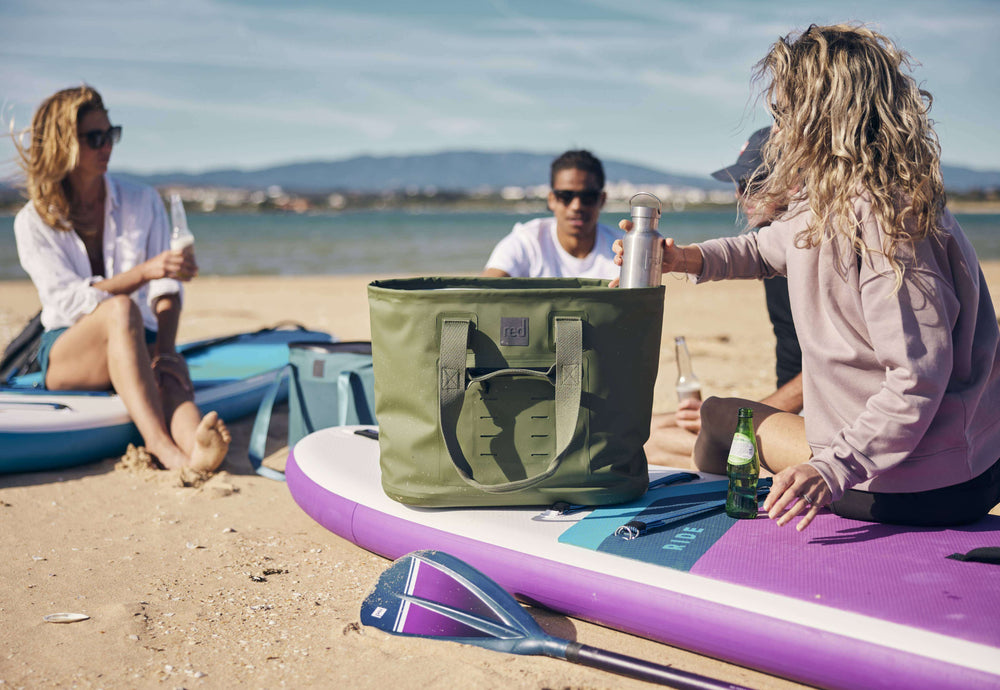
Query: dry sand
(229, 584)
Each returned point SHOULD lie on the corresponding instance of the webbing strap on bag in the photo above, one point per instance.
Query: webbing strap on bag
(348, 385)
(261, 424)
(452, 376)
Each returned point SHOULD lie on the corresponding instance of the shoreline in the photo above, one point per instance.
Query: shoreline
(527, 206)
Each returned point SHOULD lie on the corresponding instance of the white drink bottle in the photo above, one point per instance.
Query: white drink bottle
(688, 385)
(180, 236)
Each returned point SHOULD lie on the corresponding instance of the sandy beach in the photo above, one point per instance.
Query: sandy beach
(230, 584)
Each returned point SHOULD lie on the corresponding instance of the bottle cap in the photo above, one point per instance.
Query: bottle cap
(648, 207)
(746, 412)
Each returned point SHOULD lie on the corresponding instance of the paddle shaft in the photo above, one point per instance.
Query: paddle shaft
(642, 670)
(637, 528)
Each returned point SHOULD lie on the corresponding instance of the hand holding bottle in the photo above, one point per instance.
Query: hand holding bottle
(171, 263)
(675, 259)
(688, 415)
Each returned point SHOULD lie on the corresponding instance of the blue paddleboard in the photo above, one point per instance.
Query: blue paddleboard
(46, 430)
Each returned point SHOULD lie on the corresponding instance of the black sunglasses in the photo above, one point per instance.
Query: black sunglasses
(587, 197)
(97, 138)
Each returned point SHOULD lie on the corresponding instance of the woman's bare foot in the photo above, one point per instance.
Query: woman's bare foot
(211, 441)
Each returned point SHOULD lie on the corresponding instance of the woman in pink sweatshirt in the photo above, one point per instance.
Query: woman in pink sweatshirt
(900, 342)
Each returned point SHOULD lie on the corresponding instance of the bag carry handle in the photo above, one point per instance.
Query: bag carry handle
(261, 424)
(452, 385)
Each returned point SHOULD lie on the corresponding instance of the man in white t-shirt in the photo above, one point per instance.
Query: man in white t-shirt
(572, 244)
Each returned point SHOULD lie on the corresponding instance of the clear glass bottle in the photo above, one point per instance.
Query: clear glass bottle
(688, 385)
(180, 236)
(743, 469)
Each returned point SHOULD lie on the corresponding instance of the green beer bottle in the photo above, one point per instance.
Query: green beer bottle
(743, 467)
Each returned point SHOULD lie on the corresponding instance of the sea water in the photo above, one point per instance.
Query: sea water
(404, 242)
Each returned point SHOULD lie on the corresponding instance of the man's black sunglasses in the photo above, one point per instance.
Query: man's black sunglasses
(97, 138)
(587, 197)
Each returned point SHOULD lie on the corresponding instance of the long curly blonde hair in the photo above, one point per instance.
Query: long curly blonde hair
(54, 151)
(850, 119)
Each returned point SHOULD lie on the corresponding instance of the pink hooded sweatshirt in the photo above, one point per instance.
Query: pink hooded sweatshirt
(901, 388)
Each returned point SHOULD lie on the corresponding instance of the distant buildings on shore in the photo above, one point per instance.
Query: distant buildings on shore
(209, 199)
(512, 198)
(677, 197)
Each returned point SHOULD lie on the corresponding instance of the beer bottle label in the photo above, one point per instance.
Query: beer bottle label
(741, 452)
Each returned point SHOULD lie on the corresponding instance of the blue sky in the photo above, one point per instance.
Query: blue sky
(204, 84)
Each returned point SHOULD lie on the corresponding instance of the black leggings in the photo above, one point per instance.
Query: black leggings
(950, 505)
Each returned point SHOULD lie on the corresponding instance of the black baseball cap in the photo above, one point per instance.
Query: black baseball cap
(749, 159)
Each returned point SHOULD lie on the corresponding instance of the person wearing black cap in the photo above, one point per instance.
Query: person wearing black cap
(672, 435)
(746, 171)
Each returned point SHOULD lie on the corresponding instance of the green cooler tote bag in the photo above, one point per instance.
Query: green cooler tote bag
(513, 391)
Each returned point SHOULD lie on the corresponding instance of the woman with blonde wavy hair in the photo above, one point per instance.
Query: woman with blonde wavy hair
(900, 342)
(97, 249)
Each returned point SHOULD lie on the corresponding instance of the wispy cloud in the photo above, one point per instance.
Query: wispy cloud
(388, 76)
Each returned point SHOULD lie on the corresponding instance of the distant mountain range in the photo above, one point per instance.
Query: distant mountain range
(959, 180)
(453, 170)
(461, 171)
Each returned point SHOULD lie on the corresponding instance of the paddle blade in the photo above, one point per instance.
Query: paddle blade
(433, 594)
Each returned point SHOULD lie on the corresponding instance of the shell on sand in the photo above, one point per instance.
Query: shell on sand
(66, 617)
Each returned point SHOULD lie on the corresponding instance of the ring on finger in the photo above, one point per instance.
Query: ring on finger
(808, 501)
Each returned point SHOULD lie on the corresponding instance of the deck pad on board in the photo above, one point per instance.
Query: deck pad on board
(679, 544)
(900, 574)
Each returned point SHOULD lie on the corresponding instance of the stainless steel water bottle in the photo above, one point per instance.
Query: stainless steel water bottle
(642, 257)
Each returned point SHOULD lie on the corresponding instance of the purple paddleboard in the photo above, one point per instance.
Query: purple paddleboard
(848, 604)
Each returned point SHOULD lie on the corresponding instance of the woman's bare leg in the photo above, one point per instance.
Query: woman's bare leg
(204, 439)
(177, 398)
(108, 348)
(781, 436)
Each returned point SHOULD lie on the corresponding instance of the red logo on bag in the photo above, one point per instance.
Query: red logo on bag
(513, 331)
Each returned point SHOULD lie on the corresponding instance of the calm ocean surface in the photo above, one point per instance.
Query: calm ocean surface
(389, 242)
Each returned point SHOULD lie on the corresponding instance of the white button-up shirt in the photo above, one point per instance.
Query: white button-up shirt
(135, 229)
